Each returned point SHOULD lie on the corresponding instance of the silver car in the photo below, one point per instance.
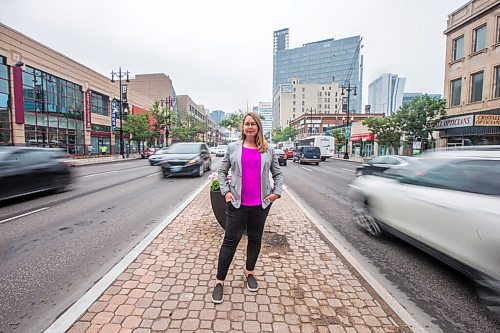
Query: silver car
(157, 156)
(450, 209)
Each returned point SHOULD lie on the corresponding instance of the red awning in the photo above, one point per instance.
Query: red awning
(364, 137)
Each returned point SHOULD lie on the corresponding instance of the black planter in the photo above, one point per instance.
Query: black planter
(219, 207)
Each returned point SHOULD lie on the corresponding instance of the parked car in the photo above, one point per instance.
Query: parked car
(156, 157)
(378, 164)
(289, 152)
(29, 170)
(449, 210)
(186, 158)
(307, 154)
(148, 152)
(213, 150)
(220, 150)
(281, 154)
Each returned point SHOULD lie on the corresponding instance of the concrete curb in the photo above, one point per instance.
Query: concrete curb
(404, 315)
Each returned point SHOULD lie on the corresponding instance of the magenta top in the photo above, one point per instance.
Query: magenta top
(250, 177)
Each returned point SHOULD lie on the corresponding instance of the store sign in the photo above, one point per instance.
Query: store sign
(88, 109)
(487, 120)
(114, 106)
(462, 121)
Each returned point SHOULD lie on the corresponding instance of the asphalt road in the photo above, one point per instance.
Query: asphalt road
(441, 299)
(50, 257)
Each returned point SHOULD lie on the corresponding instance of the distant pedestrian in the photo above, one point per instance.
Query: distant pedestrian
(248, 198)
(127, 150)
(90, 150)
(104, 149)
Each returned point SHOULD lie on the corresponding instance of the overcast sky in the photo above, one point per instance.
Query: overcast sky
(220, 52)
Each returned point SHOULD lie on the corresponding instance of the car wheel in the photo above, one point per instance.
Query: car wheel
(201, 170)
(317, 163)
(488, 292)
(209, 166)
(366, 220)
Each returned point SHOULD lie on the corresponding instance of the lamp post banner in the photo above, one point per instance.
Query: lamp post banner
(114, 106)
(88, 109)
(124, 93)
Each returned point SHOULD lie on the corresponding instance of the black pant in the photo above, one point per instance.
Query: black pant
(253, 219)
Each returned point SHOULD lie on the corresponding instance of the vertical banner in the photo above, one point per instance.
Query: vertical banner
(344, 104)
(124, 93)
(114, 105)
(88, 109)
(18, 94)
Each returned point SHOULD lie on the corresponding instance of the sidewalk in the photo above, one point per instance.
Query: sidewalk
(95, 159)
(303, 285)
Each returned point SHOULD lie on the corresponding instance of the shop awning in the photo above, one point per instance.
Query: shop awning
(362, 137)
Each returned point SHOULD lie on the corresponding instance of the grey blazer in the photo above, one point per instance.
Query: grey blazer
(268, 163)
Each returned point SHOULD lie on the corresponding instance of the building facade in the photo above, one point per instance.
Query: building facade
(296, 98)
(408, 97)
(186, 105)
(50, 100)
(217, 115)
(318, 62)
(472, 75)
(385, 93)
(265, 110)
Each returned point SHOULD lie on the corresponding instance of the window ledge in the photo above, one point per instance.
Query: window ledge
(456, 61)
(478, 52)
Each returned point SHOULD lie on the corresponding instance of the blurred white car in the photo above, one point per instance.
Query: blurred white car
(450, 209)
(213, 150)
(220, 150)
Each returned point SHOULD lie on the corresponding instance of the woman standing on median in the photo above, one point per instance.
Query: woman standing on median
(249, 196)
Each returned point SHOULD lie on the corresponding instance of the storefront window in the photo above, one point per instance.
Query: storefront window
(100, 104)
(5, 131)
(51, 115)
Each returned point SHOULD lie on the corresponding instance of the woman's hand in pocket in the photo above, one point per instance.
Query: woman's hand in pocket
(229, 197)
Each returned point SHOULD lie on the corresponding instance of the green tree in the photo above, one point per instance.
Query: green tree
(232, 121)
(420, 116)
(388, 131)
(163, 119)
(187, 128)
(137, 126)
(339, 136)
(286, 134)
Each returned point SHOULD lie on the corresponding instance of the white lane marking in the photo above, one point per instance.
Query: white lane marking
(348, 170)
(306, 169)
(153, 174)
(64, 322)
(103, 173)
(22, 215)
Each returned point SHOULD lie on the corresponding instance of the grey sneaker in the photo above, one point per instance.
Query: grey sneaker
(218, 294)
(252, 284)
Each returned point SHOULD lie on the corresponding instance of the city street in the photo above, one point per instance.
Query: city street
(51, 257)
(53, 248)
(437, 296)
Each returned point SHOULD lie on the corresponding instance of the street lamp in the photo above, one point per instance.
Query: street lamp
(120, 75)
(349, 89)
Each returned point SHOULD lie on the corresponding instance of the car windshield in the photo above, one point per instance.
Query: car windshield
(222, 147)
(279, 151)
(161, 151)
(314, 150)
(184, 148)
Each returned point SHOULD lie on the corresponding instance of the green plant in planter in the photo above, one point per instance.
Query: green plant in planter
(214, 184)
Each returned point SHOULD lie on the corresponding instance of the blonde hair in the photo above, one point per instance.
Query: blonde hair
(259, 138)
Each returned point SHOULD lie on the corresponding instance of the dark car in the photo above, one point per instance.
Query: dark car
(307, 154)
(186, 159)
(29, 170)
(281, 154)
(377, 165)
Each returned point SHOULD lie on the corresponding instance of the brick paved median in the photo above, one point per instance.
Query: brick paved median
(303, 285)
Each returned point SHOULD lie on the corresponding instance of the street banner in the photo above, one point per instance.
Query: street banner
(124, 93)
(114, 106)
(88, 109)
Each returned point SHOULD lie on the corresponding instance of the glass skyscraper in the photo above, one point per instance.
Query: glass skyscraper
(319, 62)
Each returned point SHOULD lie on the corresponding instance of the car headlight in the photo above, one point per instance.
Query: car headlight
(192, 161)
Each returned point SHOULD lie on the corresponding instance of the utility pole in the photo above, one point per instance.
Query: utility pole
(120, 75)
(348, 88)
